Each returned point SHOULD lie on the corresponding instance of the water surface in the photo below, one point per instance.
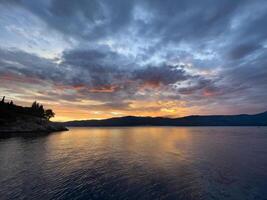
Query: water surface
(137, 163)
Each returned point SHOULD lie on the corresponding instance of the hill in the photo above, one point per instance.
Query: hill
(210, 120)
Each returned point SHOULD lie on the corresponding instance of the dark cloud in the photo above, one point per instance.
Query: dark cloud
(22, 63)
(195, 86)
(94, 76)
(201, 52)
(169, 20)
(164, 75)
(206, 18)
(252, 74)
(82, 19)
(243, 50)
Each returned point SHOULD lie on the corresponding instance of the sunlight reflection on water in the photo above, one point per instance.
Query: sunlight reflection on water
(137, 163)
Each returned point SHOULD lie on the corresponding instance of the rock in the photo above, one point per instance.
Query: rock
(34, 125)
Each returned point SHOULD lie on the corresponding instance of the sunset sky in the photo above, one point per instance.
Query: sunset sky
(109, 58)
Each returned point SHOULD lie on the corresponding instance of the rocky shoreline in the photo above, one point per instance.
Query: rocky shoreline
(30, 126)
(23, 121)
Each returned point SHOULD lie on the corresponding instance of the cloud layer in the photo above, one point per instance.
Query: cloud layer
(103, 59)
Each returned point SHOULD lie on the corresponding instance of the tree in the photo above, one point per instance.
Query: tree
(38, 109)
(3, 99)
(35, 105)
(49, 114)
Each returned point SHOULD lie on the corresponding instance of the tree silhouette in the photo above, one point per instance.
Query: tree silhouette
(10, 110)
(49, 114)
(3, 99)
(38, 109)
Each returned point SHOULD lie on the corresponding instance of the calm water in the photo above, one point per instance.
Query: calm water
(137, 163)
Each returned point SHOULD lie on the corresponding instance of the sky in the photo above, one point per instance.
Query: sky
(109, 58)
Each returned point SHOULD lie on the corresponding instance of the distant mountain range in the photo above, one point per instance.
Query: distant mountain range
(195, 120)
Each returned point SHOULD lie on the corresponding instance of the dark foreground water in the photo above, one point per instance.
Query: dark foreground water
(137, 163)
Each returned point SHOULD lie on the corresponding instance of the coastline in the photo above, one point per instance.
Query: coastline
(32, 127)
(10, 134)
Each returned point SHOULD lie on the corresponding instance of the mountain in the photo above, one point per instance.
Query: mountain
(195, 120)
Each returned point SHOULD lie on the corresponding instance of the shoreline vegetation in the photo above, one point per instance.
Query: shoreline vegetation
(23, 121)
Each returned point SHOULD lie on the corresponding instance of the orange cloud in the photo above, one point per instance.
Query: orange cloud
(210, 92)
(149, 85)
(69, 87)
(104, 89)
(8, 76)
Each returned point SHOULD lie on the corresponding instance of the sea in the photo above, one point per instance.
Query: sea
(136, 163)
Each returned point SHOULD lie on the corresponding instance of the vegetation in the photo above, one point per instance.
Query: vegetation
(10, 110)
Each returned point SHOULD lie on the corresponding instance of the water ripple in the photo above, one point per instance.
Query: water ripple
(137, 163)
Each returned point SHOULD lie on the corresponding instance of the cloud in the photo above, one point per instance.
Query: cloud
(243, 50)
(204, 53)
(197, 85)
(162, 75)
(96, 78)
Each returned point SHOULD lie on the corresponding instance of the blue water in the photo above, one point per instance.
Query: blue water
(137, 163)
